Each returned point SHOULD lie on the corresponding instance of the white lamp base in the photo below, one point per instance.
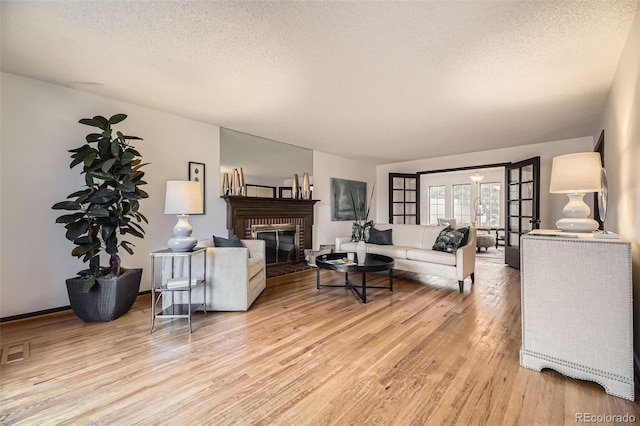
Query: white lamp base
(576, 224)
(182, 240)
(576, 213)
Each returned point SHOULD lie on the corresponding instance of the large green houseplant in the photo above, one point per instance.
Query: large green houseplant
(107, 208)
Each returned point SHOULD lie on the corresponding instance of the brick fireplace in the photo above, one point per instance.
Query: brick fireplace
(243, 213)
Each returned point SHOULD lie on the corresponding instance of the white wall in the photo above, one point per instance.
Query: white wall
(550, 204)
(39, 124)
(621, 124)
(326, 166)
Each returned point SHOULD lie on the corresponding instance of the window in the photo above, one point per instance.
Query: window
(436, 204)
(490, 194)
(462, 203)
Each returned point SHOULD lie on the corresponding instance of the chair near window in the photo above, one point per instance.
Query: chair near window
(444, 221)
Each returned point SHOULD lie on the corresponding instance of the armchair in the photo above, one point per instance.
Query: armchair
(235, 275)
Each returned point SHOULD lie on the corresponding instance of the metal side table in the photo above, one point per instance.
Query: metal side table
(177, 284)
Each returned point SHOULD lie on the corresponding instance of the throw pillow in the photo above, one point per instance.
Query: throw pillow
(356, 231)
(465, 235)
(227, 242)
(448, 240)
(382, 238)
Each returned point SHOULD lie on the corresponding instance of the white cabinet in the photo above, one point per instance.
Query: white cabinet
(577, 309)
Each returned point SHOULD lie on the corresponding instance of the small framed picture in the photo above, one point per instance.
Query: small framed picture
(197, 174)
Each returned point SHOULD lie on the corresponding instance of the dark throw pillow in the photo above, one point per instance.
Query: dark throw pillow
(449, 240)
(382, 238)
(355, 231)
(465, 235)
(224, 242)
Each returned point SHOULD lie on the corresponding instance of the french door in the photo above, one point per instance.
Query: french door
(522, 205)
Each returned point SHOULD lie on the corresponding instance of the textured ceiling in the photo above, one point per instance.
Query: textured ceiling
(381, 81)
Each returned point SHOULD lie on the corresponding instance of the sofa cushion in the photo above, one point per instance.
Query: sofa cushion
(403, 234)
(432, 256)
(357, 230)
(449, 240)
(383, 238)
(397, 252)
(224, 242)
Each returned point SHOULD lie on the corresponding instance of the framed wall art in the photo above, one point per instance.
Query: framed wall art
(197, 174)
(341, 203)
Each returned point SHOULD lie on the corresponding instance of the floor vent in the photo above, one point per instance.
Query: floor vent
(14, 352)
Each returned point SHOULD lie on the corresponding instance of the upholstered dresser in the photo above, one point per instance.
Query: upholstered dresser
(577, 312)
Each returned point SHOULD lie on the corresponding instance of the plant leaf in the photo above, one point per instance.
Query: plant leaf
(93, 137)
(108, 164)
(66, 205)
(68, 218)
(98, 213)
(90, 282)
(127, 157)
(92, 122)
(85, 248)
(76, 229)
(127, 186)
(117, 118)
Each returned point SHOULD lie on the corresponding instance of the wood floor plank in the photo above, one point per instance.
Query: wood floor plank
(424, 354)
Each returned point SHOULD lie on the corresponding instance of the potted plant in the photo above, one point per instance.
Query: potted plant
(108, 207)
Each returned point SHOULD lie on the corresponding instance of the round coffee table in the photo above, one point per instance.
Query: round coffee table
(373, 263)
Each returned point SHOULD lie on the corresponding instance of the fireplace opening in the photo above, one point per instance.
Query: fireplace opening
(281, 242)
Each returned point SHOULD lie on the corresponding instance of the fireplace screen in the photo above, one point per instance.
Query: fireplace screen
(281, 242)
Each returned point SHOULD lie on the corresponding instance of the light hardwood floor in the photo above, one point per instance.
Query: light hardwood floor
(423, 355)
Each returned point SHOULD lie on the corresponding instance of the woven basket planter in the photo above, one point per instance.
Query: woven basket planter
(108, 299)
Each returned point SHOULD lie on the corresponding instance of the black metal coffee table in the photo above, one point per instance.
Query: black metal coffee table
(372, 263)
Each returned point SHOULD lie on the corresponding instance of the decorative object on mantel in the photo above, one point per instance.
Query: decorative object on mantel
(197, 174)
(306, 187)
(295, 187)
(243, 188)
(575, 175)
(238, 187)
(182, 198)
(105, 210)
(341, 207)
(225, 184)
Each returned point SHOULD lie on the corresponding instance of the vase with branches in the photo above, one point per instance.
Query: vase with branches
(361, 212)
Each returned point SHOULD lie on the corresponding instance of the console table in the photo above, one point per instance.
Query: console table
(577, 312)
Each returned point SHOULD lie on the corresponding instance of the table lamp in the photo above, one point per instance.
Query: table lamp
(182, 198)
(575, 175)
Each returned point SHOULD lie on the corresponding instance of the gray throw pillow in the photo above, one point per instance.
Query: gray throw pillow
(382, 238)
(224, 242)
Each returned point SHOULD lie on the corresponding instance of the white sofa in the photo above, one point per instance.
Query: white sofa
(235, 276)
(412, 251)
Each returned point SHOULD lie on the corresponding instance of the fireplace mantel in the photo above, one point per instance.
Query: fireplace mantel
(241, 208)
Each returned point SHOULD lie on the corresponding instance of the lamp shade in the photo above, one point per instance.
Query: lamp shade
(183, 197)
(576, 173)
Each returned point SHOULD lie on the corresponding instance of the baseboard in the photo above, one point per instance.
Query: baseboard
(47, 311)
